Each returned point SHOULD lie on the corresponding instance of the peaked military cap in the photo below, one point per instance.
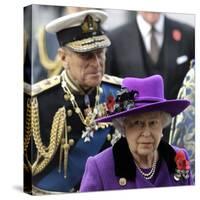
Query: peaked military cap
(81, 31)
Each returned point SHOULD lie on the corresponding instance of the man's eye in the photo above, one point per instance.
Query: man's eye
(100, 54)
(84, 56)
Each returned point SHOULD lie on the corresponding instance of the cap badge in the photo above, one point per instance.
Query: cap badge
(89, 25)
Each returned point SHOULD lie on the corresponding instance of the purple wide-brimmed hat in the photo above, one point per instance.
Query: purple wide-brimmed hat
(139, 95)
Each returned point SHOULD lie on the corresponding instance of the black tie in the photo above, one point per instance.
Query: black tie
(154, 52)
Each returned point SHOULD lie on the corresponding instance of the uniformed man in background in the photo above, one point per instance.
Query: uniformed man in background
(60, 131)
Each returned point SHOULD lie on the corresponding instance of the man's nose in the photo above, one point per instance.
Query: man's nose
(96, 59)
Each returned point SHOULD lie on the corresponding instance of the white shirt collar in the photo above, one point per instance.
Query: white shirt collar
(145, 27)
(159, 26)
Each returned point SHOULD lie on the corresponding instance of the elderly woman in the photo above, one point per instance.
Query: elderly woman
(140, 158)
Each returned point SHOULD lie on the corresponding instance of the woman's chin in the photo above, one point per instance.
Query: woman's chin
(145, 151)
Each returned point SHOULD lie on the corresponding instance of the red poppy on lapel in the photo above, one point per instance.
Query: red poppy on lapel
(182, 166)
(181, 161)
(177, 35)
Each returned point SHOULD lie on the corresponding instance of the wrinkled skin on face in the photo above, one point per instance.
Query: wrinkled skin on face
(85, 69)
(143, 133)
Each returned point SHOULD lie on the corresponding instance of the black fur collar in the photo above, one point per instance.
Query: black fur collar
(124, 163)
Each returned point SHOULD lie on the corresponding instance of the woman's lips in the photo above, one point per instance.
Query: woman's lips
(146, 144)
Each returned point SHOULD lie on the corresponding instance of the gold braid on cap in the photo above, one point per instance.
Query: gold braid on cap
(32, 128)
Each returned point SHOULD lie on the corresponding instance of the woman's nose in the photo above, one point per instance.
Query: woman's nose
(146, 131)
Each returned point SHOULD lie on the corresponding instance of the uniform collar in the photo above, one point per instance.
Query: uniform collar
(73, 86)
(125, 166)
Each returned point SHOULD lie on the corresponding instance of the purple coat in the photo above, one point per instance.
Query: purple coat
(104, 171)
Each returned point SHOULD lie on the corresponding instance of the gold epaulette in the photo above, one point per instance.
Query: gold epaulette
(112, 79)
(41, 86)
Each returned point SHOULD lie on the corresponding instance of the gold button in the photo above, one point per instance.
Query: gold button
(69, 128)
(122, 181)
(109, 137)
(87, 121)
(66, 146)
(66, 97)
(69, 113)
(71, 142)
(78, 110)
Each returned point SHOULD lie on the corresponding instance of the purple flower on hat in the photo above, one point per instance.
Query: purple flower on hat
(144, 95)
(125, 100)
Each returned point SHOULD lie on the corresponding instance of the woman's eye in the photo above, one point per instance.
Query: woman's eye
(153, 123)
(135, 124)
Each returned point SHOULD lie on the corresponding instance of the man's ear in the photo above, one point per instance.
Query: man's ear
(64, 57)
(61, 54)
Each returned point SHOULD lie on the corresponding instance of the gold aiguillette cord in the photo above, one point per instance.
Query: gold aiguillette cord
(64, 151)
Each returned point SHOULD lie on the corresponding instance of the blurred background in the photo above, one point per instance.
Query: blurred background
(40, 48)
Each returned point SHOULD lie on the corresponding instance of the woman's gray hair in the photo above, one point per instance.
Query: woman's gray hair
(167, 118)
(118, 123)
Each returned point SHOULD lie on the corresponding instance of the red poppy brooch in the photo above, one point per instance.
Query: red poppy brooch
(177, 35)
(182, 166)
(110, 103)
(125, 100)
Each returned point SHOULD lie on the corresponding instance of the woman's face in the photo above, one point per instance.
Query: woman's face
(143, 132)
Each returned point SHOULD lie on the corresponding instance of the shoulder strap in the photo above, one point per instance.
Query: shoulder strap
(112, 79)
(37, 88)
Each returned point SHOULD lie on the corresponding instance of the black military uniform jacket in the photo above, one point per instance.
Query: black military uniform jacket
(54, 144)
